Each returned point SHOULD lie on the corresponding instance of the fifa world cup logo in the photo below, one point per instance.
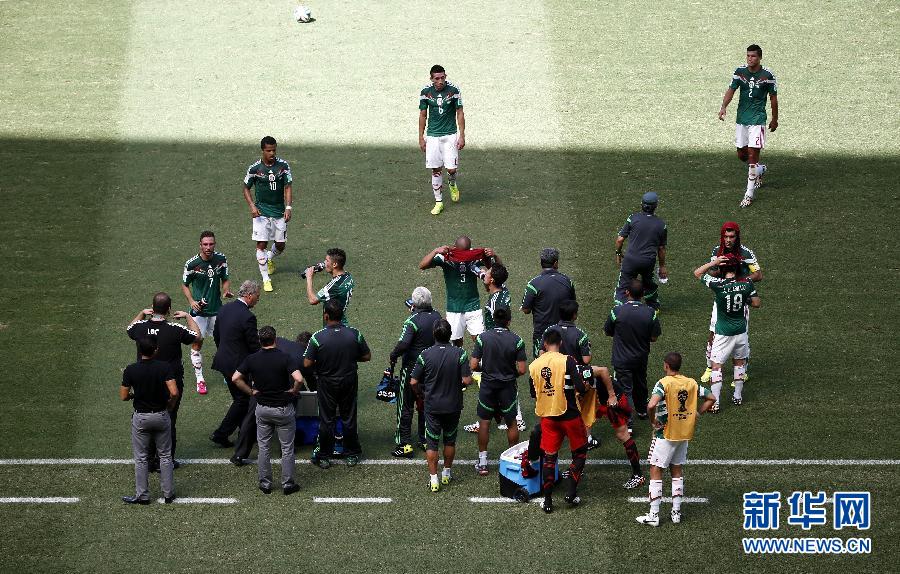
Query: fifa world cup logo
(546, 374)
(682, 399)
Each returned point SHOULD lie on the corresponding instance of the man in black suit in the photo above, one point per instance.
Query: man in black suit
(236, 337)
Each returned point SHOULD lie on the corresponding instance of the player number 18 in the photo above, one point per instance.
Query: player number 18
(734, 302)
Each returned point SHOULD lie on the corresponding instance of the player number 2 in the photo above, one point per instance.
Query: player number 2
(734, 302)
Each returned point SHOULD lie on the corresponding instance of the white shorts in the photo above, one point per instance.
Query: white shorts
(664, 453)
(472, 321)
(206, 324)
(269, 229)
(749, 136)
(726, 347)
(441, 151)
(712, 318)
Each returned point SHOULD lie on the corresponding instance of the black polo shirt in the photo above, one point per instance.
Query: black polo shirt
(170, 337)
(632, 325)
(336, 350)
(147, 379)
(440, 370)
(543, 295)
(270, 370)
(646, 233)
(575, 342)
(417, 335)
(499, 350)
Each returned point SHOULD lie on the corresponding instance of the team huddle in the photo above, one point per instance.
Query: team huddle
(265, 373)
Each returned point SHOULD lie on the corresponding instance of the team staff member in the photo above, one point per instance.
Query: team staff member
(334, 352)
(633, 326)
(647, 235)
(339, 288)
(501, 356)
(276, 381)
(673, 409)
(439, 376)
(150, 383)
(544, 293)
(417, 335)
(236, 337)
(555, 380)
(204, 282)
(169, 337)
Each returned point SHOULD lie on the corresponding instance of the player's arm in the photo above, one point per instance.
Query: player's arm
(403, 343)
(191, 324)
(310, 293)
(609, 327)
(466, 371)
(726, 99)
(297, 378)
(427, 262)
(125, 389)
(708, 401)
(418, 372)
(139, 317)
(773, 124)
(620, 243)
(288, 200)
(755, 301)
(701, 271)
(661, 253)
(651, 411)
(254, 212)
(423, 116)
(195, 305)
(528, 299)
(226, 289)
(490, 253)
(461, 125)
(239, 381)
(602, 373)
(173, 393)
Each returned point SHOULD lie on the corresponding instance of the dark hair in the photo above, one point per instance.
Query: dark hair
(267, 336)
(552, 337)
(442, 331)
(162, 303)
(635, 289)
(303, 338)
(437, 69)
(755, 48)
(334, 310)
(502, 316)
(268, 140)
(673, 360)
(338, 256)
(568, 309)
(549, 257)
(206, 234)
(147, 346)
(499, 273)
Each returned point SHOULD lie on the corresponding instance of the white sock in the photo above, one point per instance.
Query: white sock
(446, 472)
(437, 186)
(656, 489)
(197, 363)
(716, 386)
(709, 354)
(751, 179)
(262, 259)
(739, 373)
(519, 413)
(434, 479)
(482, 457)
(677, 493)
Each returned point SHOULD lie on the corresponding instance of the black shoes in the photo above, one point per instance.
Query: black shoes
(221, 441)
(573, 500)
(237, 461)
(169, 499)
(265, 490)
(291, 489)
(547, 505)
(135, 500)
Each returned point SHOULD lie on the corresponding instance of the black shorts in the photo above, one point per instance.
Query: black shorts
(437, 426)
(500, 400)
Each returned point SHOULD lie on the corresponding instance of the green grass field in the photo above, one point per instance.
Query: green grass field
(125, 129)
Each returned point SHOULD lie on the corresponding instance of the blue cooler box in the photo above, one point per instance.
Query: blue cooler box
(307, 418)
(512, 483)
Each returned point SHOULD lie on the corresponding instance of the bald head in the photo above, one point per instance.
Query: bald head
(463, 242)
(161, 303)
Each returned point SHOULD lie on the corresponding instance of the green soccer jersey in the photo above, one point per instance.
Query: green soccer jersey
(732, 298)
(462, 285)
(340, 288)
(749, 263)
(268, 182)
(662, 411)
(441, 106)
(497, 300)
(754, 87)
(204, 279)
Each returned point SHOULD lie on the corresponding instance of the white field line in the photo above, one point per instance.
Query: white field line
(351, 500)
(688, 499)
(39, 500)
(190, 500)
(498, 500)
(421, 462)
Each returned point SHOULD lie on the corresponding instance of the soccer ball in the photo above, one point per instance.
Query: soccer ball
(302, 14)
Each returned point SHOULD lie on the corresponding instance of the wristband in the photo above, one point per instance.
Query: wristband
(289, 207)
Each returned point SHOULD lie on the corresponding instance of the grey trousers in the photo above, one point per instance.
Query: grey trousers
(270, 420)
(158, 428)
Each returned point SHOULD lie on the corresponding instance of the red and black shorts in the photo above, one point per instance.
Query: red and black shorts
(553, 431)
(618, 415)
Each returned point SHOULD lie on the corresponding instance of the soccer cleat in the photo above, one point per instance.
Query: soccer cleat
(522, 426)
(676, 516)
(270, 265)
(634, 482)
(737, 402)
(446, 478)
(322, 463)
(747, 201)
(714, 410)
(759, 176)
(649, 519)
(267, 286)
(476, 377)
(472, 427)
(481, 469)
(422, 445)
(502, 426)
(572, 500)
(438, 208)
(592, 443)
(454, 191)
(404, 451)
(435, 487)
(547, 505)
(706, 376)
(201, 387)
(351, 460)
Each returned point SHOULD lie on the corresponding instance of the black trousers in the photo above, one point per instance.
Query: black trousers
(247, 434)
(337, 396)
(643, 268)
(234, 417)
(173, 414)
(632, 381)
(406, 405)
